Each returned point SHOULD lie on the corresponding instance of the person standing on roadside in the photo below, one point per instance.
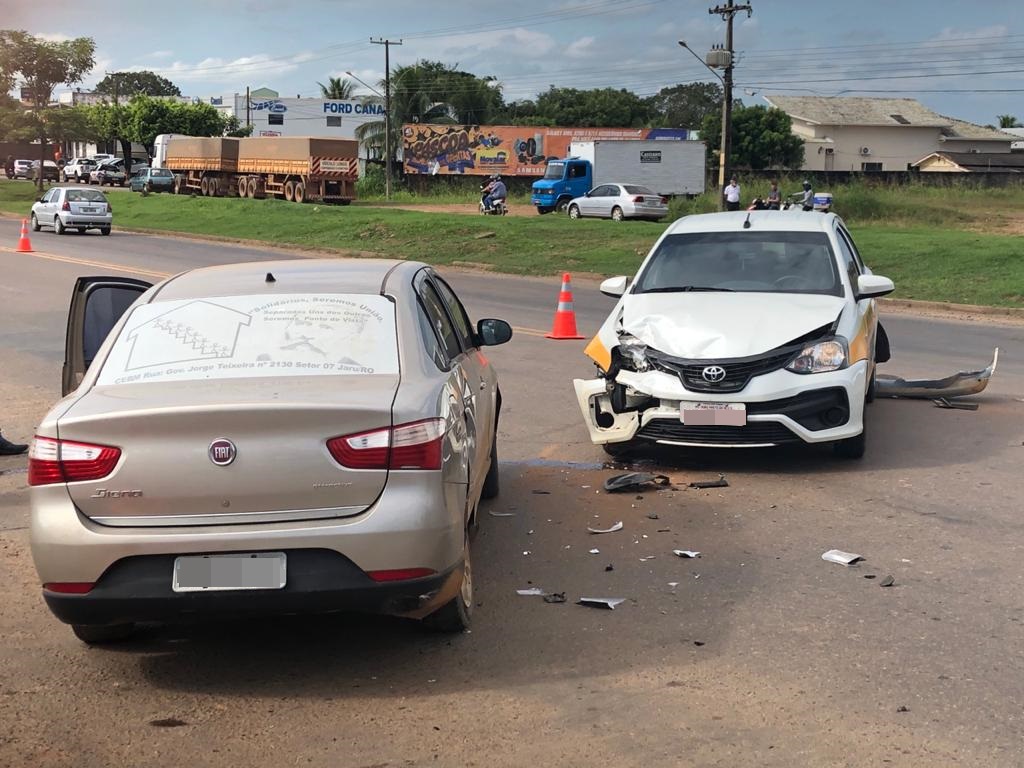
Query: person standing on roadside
(774, 199)
(732, 196)
(9, 167)
(7, 448)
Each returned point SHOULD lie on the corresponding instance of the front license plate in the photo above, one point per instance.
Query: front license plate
(215, 573)
(714, 414)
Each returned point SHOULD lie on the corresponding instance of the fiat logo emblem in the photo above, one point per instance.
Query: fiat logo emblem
(222, 452)
(713, 374)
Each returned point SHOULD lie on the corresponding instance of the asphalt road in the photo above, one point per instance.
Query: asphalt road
(757, 653)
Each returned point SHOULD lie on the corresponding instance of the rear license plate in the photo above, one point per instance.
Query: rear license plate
(88, 210)
(714, 414)
(215, 573)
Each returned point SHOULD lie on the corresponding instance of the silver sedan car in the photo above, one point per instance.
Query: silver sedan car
(280, 437)
(618, 202)
(65, 208)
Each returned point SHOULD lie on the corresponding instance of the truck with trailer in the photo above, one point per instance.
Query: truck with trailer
(298, 169)
(667, 167)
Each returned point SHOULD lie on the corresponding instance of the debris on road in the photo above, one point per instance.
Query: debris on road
(530, 592)
(902, 708)
(527, 552)
(613, 529)
(721, 482)
(956, 405)
(168, 722)
(609, 567)
(870, 575)
(501, 514)
(607, 603)
(957, 385)
(843, 558)
(685, 553)
(555, 597)
(888, 581)
(634, 481)
(540, 493)
(595, 551)
(652, 515)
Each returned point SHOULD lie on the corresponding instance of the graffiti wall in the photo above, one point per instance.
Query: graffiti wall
(481, 150)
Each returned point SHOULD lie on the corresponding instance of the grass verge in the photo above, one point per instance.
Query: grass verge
(935, 263)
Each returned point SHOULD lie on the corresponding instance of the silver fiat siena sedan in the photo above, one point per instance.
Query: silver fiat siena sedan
(280, 437)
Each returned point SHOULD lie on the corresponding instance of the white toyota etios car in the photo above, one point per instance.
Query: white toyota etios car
(739, 330)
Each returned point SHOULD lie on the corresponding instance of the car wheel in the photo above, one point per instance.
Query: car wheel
(101, 635)
(35, 223)
(562, 205)
(104, 230)
(869, 396)
(491, 481)
(853, 447)
(454, 616)
(574, 211)
(617, 214)
(58, 225)
(80, 230)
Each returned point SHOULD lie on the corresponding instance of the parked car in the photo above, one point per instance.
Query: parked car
(64, 208)
(22, 169)
(618, 202)
(739, 330)
(152, 180)
(101, 157)
(51, 171)
(78, 169)
(109, 172)
(274, 437)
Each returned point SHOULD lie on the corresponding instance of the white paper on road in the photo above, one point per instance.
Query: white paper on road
(685, 553)
(601, 602)
(230, 337)
(531, 591)
(613, 529)
(843, 558)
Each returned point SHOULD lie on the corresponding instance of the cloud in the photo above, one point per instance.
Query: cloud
(54, 37)
(218, 70)
(160, 55)
(581, 48)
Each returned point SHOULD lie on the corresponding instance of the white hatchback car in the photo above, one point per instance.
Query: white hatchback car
(65, 208)
(739, 330)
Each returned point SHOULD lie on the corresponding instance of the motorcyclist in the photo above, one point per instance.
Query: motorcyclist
(806, 198)
(494, 192)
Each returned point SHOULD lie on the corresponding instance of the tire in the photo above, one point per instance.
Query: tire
(35, 223)
(300, 192)
(250, 188)
(243, 186)
(104, 230)
(562, 204)
(574, 211)
(492, 484)
(869, 396)
(617, 214)
(289, 191)
(853, 447)
(58, 225)
(101, 635)
(455, 615)
(204, 187)
(81, 230)
(148, 186)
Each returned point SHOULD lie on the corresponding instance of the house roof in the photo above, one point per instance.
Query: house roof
(961, 129)
(837, 110)
(988, 162)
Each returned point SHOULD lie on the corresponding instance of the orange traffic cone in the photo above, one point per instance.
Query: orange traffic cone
(24, 244)
(565, 317)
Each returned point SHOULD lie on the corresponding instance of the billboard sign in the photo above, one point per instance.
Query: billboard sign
(480, 150)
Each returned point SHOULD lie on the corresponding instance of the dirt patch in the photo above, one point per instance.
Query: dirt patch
(468, 209)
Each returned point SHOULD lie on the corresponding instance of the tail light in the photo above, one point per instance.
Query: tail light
(66, 206)
(400, 574)
(63, 461)
(664, 201)
(416, 445)
(69, 587)
(638, 198)
(110, 208)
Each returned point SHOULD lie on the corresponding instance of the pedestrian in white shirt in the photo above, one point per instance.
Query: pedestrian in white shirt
(732, 196)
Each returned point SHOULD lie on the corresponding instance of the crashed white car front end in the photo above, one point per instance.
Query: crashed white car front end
(773, 344)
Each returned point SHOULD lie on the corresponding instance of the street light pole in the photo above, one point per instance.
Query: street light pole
(387, 111)
(727, 12)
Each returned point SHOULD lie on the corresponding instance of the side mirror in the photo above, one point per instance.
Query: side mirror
(587, 193)
(615, 286)
(873, 286)
(39, 200)
(493, 332)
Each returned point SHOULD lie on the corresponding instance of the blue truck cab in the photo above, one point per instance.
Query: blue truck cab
(562, 181)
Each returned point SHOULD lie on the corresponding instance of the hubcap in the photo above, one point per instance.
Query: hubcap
(466, 590)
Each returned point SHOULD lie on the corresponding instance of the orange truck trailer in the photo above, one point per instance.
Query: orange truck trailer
(298, 169)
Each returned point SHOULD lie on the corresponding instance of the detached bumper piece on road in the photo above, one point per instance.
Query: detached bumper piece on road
(138, 589)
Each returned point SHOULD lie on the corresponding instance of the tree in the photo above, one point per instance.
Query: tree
(42, 65)
(1008, 121)
(339, 88)
(599, 107)
(145, 118)
(141, 83)
(686, 105)
(761, 138)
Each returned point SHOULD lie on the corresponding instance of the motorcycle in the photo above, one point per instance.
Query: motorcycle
(759, 204)
(498, 207)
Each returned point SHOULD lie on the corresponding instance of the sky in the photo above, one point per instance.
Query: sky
(959, 59)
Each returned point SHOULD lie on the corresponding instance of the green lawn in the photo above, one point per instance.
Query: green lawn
(940, 259)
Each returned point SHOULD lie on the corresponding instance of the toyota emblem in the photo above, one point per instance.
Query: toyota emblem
(222, 452)
(713, 374)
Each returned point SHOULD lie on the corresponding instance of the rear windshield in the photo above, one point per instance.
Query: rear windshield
(633, 189)
(85, 196)
(234, 337)
(760, 262)
(159, 172)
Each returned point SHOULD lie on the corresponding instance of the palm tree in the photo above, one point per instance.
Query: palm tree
(1008, 121)
(338, 88)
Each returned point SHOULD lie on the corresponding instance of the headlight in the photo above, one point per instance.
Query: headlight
(633, 353)
(830, 355)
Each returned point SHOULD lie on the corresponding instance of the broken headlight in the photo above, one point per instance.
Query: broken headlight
(633, 353)
(821, 357)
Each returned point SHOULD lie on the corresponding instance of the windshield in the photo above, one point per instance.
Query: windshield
(231, 337)
(85, 196)
(554, 171)
(757, 262)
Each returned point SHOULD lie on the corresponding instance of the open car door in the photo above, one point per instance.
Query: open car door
(97, 303)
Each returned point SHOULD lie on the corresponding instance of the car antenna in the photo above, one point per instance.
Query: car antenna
(271, 278)
(746, 222)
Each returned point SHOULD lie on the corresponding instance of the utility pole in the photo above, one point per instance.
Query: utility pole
(248, 108)
(387, 111)
(727, 12)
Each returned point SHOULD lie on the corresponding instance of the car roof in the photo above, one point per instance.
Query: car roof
(772, 221)
(290, 276)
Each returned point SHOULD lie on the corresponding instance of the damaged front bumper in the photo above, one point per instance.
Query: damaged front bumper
(958, 385)
(780, 408)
